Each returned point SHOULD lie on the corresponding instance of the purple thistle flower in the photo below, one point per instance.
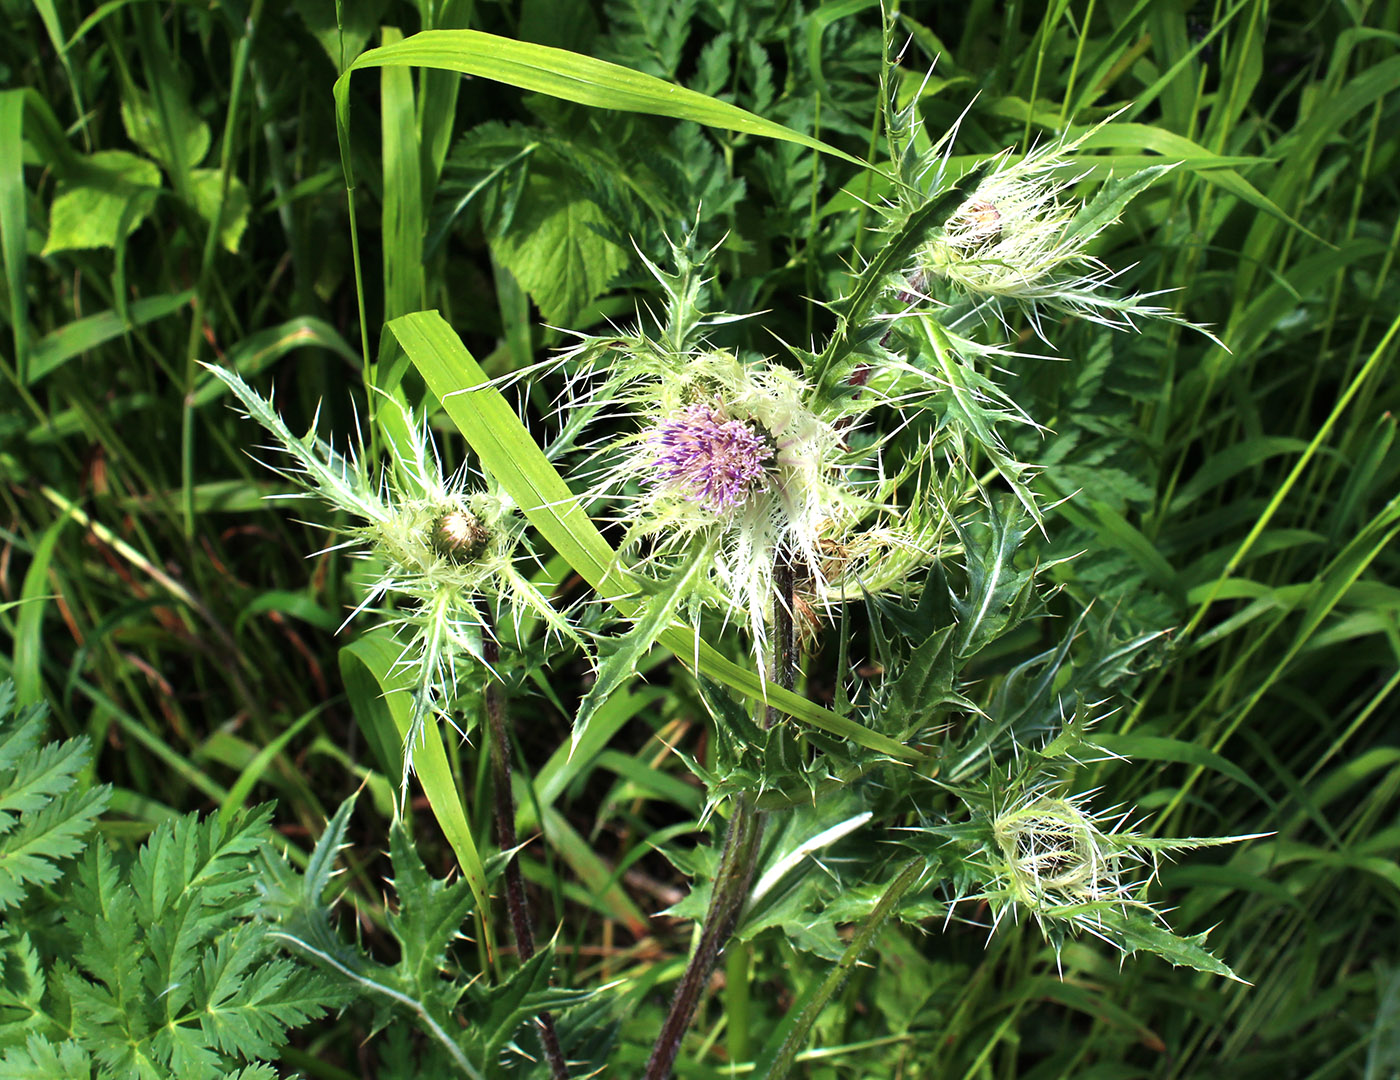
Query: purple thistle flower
(710, 459)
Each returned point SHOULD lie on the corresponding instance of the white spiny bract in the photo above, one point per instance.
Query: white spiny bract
(447, 555)
(1058, 860)
(1017, 242)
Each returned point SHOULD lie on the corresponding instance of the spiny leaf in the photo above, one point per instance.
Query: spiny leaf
(431, 912)
(1135, 932)
(621, 657)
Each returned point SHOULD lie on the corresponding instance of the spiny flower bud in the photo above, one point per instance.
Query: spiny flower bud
(460, 537)
(1055, 854)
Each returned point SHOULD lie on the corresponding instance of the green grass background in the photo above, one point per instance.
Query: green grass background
(172, 189)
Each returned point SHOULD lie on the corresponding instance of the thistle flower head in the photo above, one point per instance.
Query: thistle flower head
(729, 455)
(448, 553)
(708, 458)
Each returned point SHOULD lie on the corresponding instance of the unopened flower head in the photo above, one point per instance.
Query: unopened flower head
(1056, 854)
(1019, 241)
(447, 554)
(1046, 854)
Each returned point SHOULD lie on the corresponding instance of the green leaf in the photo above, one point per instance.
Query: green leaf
(144, 128)
(105, 206)
(501, 1011)
(14, 220)
(431, 912)
(998, 593)
(29, 854)
(553, 246)
(342, 29)
(895, 254)
(44, 817)
(81, 335)
(560, 74)
(39, 1059)
(928, 679)
(206, 187)
(1108, 203)
(620, 657)
(247, 1001)
(1133, 932)
(383, 707)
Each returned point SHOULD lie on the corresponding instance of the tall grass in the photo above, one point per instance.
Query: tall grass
(173, 190)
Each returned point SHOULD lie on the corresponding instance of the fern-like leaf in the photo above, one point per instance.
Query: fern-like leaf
(43, 820)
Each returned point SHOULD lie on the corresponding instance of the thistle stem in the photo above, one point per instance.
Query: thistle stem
(776, 1063)
(784, 645)
(505, 835)
(731, 889)
(737, 858)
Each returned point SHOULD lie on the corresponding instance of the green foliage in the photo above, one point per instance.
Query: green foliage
(45, 812)
(156, 967)
(471, 1028)
(1207, 596)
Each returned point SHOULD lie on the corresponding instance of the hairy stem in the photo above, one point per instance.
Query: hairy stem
(731, 889)
(776, 1062)
(736, 862)
(505, 836)
(784, 646)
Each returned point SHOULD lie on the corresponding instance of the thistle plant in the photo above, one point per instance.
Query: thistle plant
(449, 556)
(732, 471)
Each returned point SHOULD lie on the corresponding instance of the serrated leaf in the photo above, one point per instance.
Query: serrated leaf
(854, 308)
(39, 1059)
(431, 912)
(1108, 202)
(321, 866)
(246, 1009)
(620, 656)
(21, 988)
(29, 854)
(102, 918)
(110, 202)
(21, 734)
(499, 1012)
(928, 678)
(39, 777)
(1134, 932)
(553, 246)
(997, 591)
